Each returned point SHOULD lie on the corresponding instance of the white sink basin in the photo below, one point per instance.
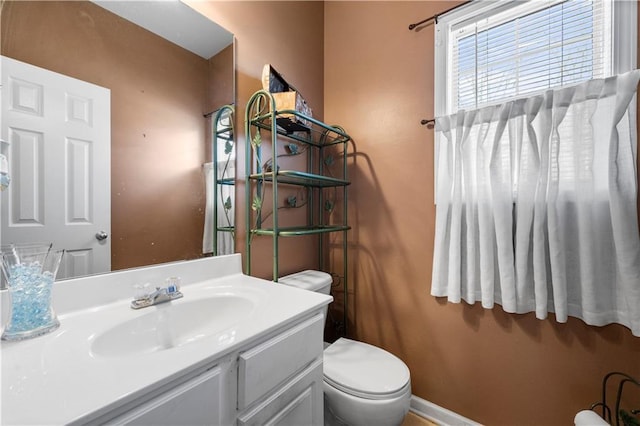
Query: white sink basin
(174, 324)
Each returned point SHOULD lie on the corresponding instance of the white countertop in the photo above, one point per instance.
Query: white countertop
(58, 379)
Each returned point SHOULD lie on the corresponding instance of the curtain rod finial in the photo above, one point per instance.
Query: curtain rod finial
(429, 123)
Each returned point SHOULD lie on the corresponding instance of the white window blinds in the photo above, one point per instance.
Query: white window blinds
(527, 49)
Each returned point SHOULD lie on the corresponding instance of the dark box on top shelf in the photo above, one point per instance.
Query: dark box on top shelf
(286, 97)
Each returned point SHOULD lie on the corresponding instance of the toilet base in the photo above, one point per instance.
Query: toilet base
(342, 409)
(329, 418)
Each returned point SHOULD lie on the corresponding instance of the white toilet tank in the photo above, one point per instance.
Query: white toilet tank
(317, 281)
(311, 280)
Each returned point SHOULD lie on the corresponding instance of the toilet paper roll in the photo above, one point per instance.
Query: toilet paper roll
(589, 418)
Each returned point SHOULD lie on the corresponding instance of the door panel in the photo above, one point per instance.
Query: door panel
(59, 132)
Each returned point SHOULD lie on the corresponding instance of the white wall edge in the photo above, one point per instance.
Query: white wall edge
(437, 414)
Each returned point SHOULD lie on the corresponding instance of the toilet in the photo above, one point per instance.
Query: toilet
(363, 384)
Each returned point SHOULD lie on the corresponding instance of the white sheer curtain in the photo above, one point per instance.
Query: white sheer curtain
(536, 205)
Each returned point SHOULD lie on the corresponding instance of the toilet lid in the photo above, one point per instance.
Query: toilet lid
(364, 370)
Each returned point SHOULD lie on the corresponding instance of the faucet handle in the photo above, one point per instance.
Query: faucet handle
(138, 292)
(141, 292)
(172, 284)
(148, 289)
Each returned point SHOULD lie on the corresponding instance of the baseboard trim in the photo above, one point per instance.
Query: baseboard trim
(437, 414)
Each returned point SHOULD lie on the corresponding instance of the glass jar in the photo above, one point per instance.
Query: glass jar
(30, 271)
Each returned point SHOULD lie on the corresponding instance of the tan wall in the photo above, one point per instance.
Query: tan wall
(220, 87)
(221, 79)
(493, 367)
(288, 35)
(158, 132)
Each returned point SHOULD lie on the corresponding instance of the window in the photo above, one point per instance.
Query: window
(489, 52)
(536, 195)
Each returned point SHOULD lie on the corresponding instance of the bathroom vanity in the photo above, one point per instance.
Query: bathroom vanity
(234, 350)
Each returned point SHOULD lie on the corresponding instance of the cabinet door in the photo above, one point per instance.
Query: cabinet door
(194, 402)
(298, 402)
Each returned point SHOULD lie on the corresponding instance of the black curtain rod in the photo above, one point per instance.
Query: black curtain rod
(435, 17)
(209, 114)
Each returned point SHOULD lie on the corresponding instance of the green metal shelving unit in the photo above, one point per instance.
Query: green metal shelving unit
(282, 131)
(223, 134)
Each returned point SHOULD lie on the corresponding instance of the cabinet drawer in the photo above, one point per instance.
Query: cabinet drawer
(298, 402)
(267, 365)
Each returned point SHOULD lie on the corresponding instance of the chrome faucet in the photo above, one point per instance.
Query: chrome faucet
(145, 298)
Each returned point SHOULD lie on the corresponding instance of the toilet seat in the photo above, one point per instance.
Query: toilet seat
(365, 371)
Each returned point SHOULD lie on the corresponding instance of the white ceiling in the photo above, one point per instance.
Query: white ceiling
(174, 21)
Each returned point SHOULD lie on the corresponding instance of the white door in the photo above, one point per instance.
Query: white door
(59, 134)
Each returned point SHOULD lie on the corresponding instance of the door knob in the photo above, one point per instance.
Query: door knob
(101, 236)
